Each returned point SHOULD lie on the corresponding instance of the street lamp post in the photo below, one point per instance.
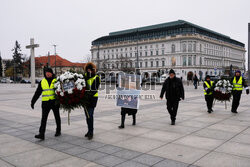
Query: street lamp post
(55, 57)
(248, 53)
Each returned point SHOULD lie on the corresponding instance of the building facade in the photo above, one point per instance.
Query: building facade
(185, 47)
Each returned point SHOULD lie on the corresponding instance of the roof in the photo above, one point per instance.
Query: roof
(56, 60)
(167, 26)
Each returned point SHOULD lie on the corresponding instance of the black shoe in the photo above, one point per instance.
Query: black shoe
(173, 123)
(40, 136)
(90, 136)
(234, 112)
(121, 126)
(87, 134)
(58, 134)
(209, 111)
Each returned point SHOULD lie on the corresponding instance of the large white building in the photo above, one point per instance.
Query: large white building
(183, 46)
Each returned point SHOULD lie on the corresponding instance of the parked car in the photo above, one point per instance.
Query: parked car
(25, 81)
(38, 81)
(214, 78)
(6, 80)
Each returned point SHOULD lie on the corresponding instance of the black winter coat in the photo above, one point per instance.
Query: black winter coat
(173, 89)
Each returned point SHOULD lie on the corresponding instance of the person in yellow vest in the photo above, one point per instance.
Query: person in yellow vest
(46, 88)
(208, 92)
(238, 83)
(92, 84)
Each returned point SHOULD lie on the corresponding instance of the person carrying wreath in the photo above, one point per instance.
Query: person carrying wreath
(208, 92)
(238, 83)
(92, 84)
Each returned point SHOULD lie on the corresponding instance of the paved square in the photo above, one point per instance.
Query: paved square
(197, 139)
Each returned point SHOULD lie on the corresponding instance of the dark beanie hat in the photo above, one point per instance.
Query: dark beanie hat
(207, 76)
(47, 69)
(238, 71)
(171, 71)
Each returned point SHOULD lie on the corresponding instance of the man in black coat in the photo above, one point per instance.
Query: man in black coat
(46, 88)
(174, 92)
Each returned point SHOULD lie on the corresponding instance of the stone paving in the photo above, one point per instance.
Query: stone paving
(197, 139)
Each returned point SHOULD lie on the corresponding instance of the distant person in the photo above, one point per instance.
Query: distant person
(238, 83)
(174, 92)
(208, 92)
(195, 80)
(46, 88)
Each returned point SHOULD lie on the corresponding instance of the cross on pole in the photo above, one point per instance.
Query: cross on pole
(32, 47)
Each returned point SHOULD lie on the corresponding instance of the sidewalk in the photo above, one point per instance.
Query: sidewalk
(197, 139)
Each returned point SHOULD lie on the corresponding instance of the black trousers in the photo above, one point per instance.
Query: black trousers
(209, 99)
(90, 119)
(46, 107)
(236, 100)
(172, 106)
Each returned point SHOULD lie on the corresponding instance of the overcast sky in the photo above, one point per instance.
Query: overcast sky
(74, 24)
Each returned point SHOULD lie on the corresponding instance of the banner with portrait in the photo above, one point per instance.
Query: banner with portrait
(128, 91)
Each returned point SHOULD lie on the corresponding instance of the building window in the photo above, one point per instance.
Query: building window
(152, 64)
(151, 52)
(140, 64)
(117, 56)
(194, 47)
(146, 64)
(157, 63)
(163, 63)
(162, 52)
(173, 48)
(200, 47)
(184, 61)
(112, 56)
(200, 61)
(190, 47)
(104, 57)
(146, 53)
(126, 55)
(146, 47)
(173, 60)
(140, 53)
(131, 54)
(157, 52)
(189, 61)
(184, 48)
(162, 45)
(194, 60)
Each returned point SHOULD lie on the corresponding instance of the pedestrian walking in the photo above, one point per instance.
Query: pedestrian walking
(238, 83)
(195, 80)
(174, 92)
(46, 88)
(129, 111)
(208, 92)
(92, 84)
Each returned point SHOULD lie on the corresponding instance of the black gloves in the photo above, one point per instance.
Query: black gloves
(247, 91)
(208, 90)
(32, 105)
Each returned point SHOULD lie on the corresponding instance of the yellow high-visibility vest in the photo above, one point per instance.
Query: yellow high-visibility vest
(208, 86)
(90, 81)
(48, 91)
(237, 85)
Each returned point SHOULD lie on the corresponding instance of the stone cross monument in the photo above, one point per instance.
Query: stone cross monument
(32, 47)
